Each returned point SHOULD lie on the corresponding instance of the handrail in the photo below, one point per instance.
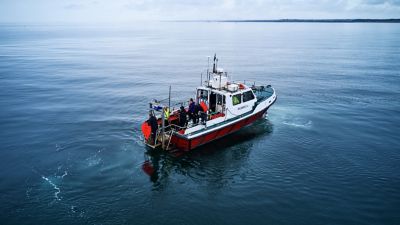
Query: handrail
(172, 130)
(174, 125)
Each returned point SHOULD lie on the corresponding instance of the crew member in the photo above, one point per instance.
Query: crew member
(199, 113)
(182, 117)
(152, 121)
(166, 116)
(191, 111)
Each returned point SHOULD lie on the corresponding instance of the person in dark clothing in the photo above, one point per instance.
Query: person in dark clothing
(199, 113)
(191, 113)
(182, 117)
(152, 121)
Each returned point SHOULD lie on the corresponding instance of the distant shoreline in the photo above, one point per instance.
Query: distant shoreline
(297, 21)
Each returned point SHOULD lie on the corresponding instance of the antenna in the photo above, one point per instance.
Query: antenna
(201, 79)
(220, 81)
(214, 66)
(169, 98)
(208, 73)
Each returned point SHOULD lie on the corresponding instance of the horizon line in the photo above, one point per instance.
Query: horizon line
(354, 20)
(390, 20)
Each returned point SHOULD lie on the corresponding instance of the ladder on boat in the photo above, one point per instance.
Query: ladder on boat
(163, 140)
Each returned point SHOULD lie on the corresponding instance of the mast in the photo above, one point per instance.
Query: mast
(169, 98)
(220, 81)
(162, 128)
(214, 65)
(208, 73)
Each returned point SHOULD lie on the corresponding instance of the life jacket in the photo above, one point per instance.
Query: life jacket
(166, 114)
(204, 106)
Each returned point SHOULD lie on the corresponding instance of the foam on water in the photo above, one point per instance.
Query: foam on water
(62, 176)
(94, 159)
(56, 188)
(294, 123)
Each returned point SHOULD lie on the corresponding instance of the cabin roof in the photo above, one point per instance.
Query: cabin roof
(225, 91)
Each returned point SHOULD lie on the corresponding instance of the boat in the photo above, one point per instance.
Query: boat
(228, 106)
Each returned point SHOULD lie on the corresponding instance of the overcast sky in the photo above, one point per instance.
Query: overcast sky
(89, 11)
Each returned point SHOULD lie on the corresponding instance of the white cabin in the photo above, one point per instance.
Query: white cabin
(224, 100)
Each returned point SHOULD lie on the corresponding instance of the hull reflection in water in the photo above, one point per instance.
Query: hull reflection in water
(158, 164)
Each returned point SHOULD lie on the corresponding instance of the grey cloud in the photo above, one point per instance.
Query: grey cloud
(380, 2)
(131, 10)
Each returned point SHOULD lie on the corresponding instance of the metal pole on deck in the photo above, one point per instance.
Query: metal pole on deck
(216, 66)
(220, 81)
(169, 98)
(208, 72)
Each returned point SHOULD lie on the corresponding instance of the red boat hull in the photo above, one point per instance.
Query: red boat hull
(188, 144)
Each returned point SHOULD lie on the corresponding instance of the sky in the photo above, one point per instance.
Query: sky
(115, 11)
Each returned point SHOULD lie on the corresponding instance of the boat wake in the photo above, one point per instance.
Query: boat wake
(306, 125)
(58, 190)
(51, 183)
(94, 160)
(62, 176)
(138, 138)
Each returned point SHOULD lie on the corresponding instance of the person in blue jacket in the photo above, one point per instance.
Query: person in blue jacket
(191, 111)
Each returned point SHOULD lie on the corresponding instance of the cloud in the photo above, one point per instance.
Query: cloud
(380, 2)
(74, 6)
(132, 10)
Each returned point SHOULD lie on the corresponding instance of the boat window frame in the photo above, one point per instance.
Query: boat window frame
(220, 100)
(252, 96)
(201, 97)
(240, 99)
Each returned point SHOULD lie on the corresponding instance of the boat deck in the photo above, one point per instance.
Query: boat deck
(263, 92)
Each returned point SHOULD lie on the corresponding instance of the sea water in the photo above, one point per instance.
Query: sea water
(73, 97)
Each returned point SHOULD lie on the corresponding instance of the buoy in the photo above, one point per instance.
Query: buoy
(146, 130)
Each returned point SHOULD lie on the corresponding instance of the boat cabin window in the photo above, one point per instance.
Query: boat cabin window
(202, 96)
(247, 96)
(217, 103)
(237, 99)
